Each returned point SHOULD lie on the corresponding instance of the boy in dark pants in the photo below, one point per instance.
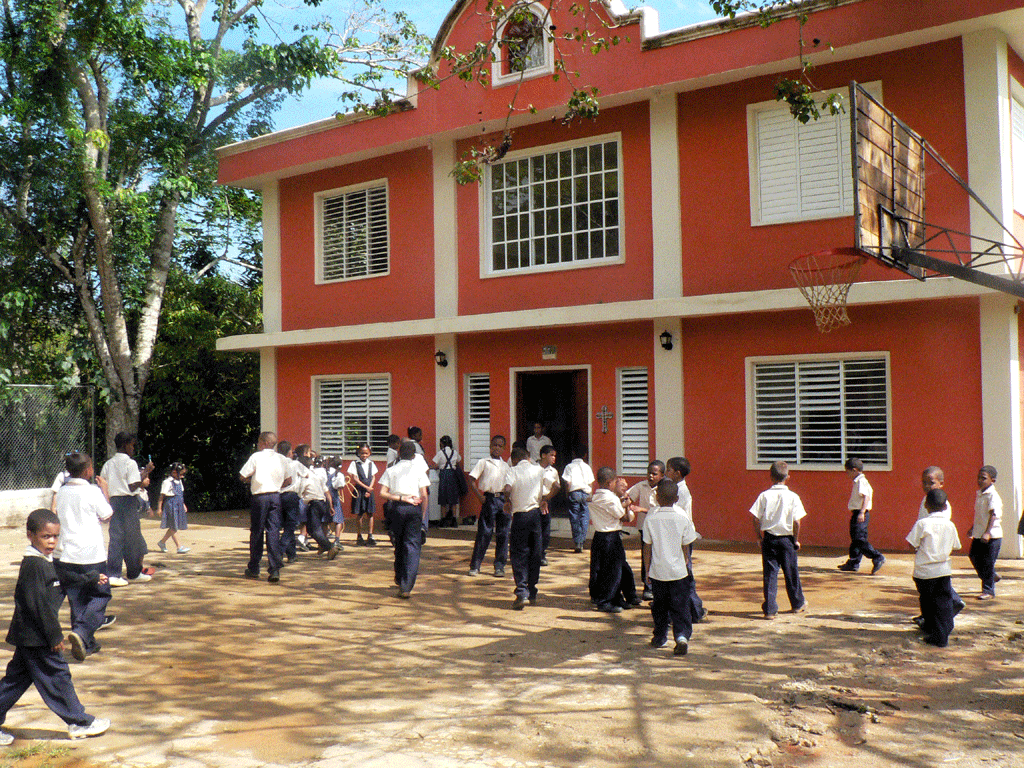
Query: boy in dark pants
(523, 491)
(36, 636)
(777, 514)
(987, 532)
(860, 514)
(667, 532)
(934, 538)
(612, 586)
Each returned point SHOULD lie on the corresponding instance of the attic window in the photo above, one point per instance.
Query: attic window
(523, 48)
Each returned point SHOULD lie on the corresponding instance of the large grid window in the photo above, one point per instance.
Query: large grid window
(821, 411)
(354, 233)
(353, 411)
(634, 421)
(558, 208)
(478, 418)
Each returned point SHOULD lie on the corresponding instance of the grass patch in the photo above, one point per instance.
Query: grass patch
(46, 752)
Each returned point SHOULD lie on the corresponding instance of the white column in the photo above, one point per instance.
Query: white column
(665, 201)
(668, 390)
(271, 258)
(446, 390)
(446, 252)
(268, 389)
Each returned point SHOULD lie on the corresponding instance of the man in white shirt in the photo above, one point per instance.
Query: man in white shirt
(536, 442)
(406, 484)
(266, 472)
(524, 490)
(578, 478)
(488, 485)
(123, 480)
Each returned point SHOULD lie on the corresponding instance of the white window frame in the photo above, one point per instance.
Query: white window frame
(631, 458)
(486, 223)
(1017, 145)
(751, 418)
(798, 207)
(472, 444)
(499, 78)
(315, 411)
(319, 199)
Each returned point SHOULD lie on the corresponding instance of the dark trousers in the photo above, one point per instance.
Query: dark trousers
(407, 527)
(525, 551)
(696, 604)
(88, 601)
(493, 521)
(611, 578)
(579, 517)
(939, 605)
(643, 560)
(125, 537)
(859, 545)
(671, 601)
(545, 532)
(315, 513)
(779, 552)
(48, 670)
(983, 556)
(290, 522)
(265, 521)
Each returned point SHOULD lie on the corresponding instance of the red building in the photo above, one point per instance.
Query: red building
(550, 285)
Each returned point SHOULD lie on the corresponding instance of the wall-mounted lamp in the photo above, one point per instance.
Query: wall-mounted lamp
(666, 340)
(441, 358)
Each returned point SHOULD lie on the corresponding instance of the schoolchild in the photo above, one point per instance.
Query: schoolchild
(643, 497)
(612, 585)
(296, 468)
(336, 489)
(58, 481)
(390, 459)
(777, 514)
(37, 638)
(361, 473)
(987, 532)
(406, 484)
(451, 483)
(667, 533)
(523, 490)
(123, 479)
(548, 457)
(289, 505)
(266, 473)
(313, 492)
(578, 479)
(859, 507)
(934, 537)
(173, 509)
(933, 478)
(677, 469)
(81, 556)
(488, 484)
(536, 442)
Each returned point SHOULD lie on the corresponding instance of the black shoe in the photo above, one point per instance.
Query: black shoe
(77, 646)
(423, 538)
(371, 542)
(273, 577)
(956, 611)
(848, 567)
(251, 574)
(659, 642)
(876, 564)
(703, 615)
(919, 621)
(499, 573)
(682, 646)
(518, 604)
(359, 540)
(577, 550)
(543, 561)
(648, 595)
(107, 621)
(95, 648)
(610, 608)
(636, 602)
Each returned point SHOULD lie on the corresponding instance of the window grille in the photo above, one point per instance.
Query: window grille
(353, 411)
(355, 234)
(634, 421)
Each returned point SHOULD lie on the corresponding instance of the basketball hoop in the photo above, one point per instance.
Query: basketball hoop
(824, 278)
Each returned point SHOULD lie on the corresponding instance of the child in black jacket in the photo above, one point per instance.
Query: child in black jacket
(37, 638)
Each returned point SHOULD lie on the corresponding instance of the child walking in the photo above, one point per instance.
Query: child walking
(860, 514)
(37, 638)
(987, 532)
(173, 509)
(777, 515)
(934, 537)
(451, 483)
(362, 473)
(336, 491)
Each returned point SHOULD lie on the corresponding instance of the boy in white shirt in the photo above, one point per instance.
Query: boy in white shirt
(266, 472)
(667, 532)
(536, 442)
(548, 457)
(677, 469)
(777, 515)
(612, 586)
(123, 479)
(488, 484)
(934, 538)
(579, 480)
(643, 497)
(859, 506)
(987, 532)
(524, 492)
(406, 484)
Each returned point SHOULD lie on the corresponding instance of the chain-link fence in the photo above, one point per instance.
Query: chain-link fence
(38, 426)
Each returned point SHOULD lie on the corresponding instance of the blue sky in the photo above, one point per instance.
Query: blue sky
(320, 102)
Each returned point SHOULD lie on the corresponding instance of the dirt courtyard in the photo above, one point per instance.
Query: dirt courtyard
(329, 669)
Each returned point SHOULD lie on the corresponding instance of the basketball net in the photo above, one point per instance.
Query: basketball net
(824, 278)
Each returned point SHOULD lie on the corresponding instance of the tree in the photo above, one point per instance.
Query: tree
(111, 110)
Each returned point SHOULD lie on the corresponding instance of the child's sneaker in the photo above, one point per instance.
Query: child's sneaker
(95, 728)
(184, 550)
(6, 739)
(682, 646)
(77, 646)
(370, 541)
(161, 546)
(359, 540)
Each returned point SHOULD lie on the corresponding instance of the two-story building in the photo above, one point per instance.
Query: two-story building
(625, 281)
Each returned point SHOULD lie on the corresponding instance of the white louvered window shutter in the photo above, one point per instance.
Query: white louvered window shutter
(634, 421)
(351, 411)
(354, 236)
(478, 418)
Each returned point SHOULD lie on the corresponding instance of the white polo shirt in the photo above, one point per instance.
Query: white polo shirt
(526, 482)
(934, 537)
(777, 509)
(668, 530)
(267, 470)
(578, 476)
(987, 504)
(120, 472)
(685, 500)
(406, 478)
(860, 494)
(489, 474)
(605, 511)
(550, 479)
(534, 444)
(946, 512)
(81, 507)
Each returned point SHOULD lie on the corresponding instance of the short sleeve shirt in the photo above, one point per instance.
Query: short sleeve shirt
(120, 472)
(406, 478)
(81, 507)
(267, 470)
(578, 476)
(777, 509)
(987, 504)
(441, 460)
(668, 530)
(861, 493)
(489, 474)
(534, 444)
(934, 537)
(605, 511)
(526, 485)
